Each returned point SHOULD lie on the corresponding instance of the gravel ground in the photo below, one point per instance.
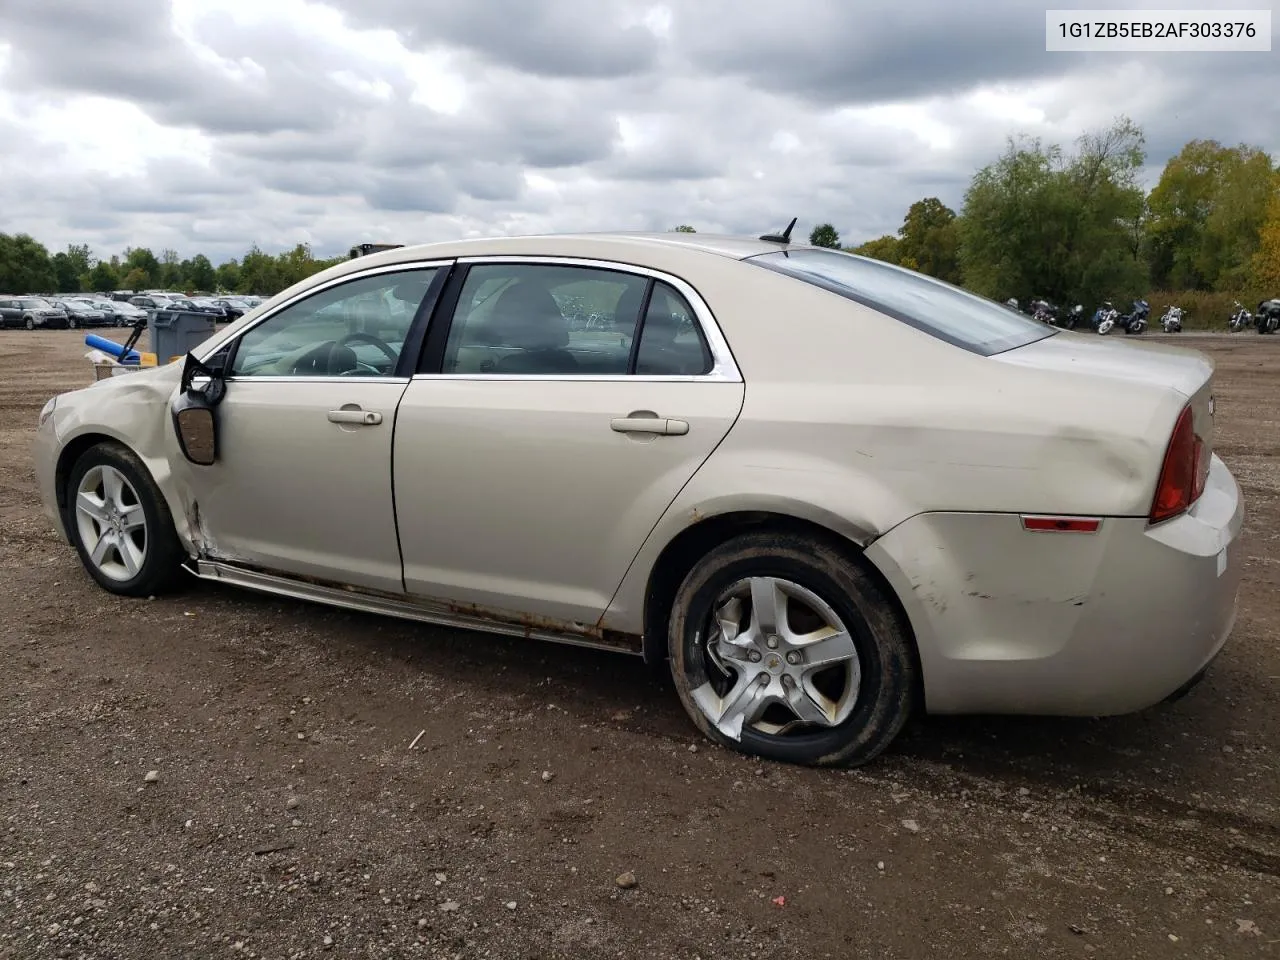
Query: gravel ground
(222, 774)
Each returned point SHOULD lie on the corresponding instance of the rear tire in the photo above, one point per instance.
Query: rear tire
(120, 523)
(863, 679)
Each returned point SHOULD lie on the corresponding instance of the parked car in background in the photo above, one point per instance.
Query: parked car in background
(904, 497)
(195, 305)
(80, 314)
(118, 314)
(126, 314)
(34, 313)
(234, 308)
(150, 303)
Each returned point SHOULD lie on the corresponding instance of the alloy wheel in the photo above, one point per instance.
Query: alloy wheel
(111, 522)
(780, 660)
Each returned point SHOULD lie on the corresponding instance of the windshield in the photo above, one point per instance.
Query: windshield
(937, 308)
(36, 304)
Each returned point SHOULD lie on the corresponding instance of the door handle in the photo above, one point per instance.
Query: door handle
(364, 418)
(658, 425)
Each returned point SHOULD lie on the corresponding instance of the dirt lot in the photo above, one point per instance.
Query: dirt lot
(276, 726)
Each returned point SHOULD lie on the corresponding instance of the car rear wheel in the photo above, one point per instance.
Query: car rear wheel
(784, 648)
(30, 323)
(120, 523)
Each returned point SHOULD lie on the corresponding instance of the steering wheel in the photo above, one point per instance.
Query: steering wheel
(361, 336)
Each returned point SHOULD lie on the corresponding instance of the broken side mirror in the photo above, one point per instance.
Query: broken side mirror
(194, 421)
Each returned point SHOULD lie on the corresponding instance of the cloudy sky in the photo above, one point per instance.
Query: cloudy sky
(207, 125)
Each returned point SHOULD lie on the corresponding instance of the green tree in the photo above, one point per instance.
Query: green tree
(103, 278)
(1265, 265)
(259, 273)
(25, 265)
(66, 279)
(1039, 222)
(930, 239)
(1206, 213)
(683, 228)
(1233, 228)
(824, 235)
(171, 277)
(887, 248)
(200, 273)
(228, 275)
(71, 266)
(141, 258)
(136, 279)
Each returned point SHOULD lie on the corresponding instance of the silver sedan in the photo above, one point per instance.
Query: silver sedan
(823, 491)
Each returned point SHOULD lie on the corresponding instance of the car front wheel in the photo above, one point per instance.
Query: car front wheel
(120, 523)
(783, 648)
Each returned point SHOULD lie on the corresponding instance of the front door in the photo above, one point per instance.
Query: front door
(302, 484)
(543, 443)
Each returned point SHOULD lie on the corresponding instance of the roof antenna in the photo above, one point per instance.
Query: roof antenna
(784, 236)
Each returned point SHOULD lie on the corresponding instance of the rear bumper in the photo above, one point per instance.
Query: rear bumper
(1067, 624)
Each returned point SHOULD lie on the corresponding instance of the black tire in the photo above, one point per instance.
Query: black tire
(71, 323)
(161, 567)
(887, 693)
(30, 323)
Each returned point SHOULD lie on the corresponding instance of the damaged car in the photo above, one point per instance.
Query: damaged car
(823, 492)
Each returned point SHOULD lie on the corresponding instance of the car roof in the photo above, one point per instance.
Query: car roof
(613, 245)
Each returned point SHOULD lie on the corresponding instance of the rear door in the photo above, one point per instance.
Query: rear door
(561, 407)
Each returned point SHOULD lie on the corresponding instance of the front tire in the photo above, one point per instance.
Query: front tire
(782, 647)
(120, 523)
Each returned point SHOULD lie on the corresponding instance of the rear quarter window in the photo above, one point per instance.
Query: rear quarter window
(939, 309)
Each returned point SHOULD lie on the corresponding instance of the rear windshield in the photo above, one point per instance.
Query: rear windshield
(940, 309)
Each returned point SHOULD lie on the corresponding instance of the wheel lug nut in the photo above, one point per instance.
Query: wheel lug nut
(793, 658)
(755, 656)
(772, 642)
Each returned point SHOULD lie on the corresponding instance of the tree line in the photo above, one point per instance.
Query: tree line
(26, 266)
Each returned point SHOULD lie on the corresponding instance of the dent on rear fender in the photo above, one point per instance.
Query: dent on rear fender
(976, 586)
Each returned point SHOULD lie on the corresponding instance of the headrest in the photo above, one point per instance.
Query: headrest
(525, 315)
(624, 314)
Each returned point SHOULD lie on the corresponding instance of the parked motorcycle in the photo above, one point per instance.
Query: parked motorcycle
(1171, 319)
(1045, 312)
(1074, 317)
(1240, 318)
(1135, 321)
(1267, 319)
(1104, 318)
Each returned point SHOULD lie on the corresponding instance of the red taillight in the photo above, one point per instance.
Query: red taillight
(1182, 477)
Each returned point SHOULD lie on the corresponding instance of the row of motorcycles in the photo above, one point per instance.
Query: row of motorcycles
(1107, 318)
(1265, 320)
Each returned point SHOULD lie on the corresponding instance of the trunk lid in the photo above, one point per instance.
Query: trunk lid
(1187, 372)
